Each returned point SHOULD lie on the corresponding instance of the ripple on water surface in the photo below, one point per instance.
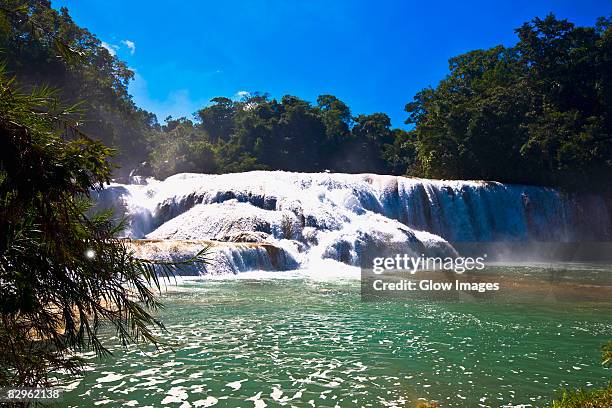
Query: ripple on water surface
(299, 342)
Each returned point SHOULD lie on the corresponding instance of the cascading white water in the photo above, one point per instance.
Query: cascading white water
(313, 216)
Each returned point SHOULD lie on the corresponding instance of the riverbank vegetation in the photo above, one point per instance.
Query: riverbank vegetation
(580, 398)
(288, 134)
(535, 113)
(597, 398)
(63, 272)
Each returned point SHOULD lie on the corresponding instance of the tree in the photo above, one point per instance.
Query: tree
(337, 119)
(400, 156)
(371, 133)
(182, 147)
(536, 113)
(62, 269)
(217, 120)
(260, 133)
(35, 42)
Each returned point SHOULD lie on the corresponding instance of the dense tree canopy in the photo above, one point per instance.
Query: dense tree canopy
(291, 134)
(538, 113)
(254, 133)
(30, 32)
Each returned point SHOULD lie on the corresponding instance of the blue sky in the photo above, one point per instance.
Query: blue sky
(373, 55)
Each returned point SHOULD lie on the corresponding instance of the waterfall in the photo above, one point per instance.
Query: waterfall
(224, 259)
(307, 217)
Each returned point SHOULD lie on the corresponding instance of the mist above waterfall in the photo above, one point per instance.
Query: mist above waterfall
(314, 216)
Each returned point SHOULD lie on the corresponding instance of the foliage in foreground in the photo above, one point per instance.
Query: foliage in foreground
(581, 398)
(585, 398)
(606, 353)
(62, 271)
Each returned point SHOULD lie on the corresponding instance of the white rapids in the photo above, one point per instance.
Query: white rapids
(310, 217)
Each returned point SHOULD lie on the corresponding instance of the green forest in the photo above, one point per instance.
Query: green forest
(536, 113)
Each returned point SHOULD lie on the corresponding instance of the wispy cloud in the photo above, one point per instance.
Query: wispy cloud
(130, 44)
(111, 48)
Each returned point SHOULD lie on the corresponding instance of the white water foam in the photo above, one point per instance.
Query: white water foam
(319, 216)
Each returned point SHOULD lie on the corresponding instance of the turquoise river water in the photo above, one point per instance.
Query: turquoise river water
(294, 339)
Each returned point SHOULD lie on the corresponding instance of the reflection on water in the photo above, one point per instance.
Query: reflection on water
(309, 342)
